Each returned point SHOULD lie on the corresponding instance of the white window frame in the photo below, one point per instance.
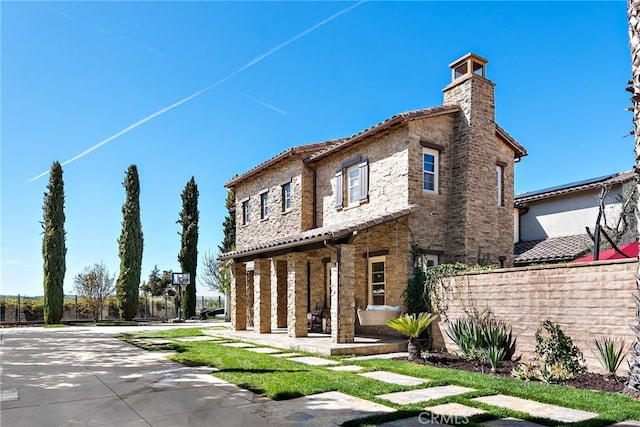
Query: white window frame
(353, 199)
(373, 260)
(264, 205)
(426, 259)
(436, 170)
(500, 184)
(286, 197)
(245, 212)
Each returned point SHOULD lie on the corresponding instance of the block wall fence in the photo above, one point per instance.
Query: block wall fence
(588, 300)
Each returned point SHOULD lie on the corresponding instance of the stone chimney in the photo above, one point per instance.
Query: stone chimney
(479, 228)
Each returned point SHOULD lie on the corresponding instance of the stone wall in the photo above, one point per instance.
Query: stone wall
(477, 225)
(428, 225)
(388, 168)
(278, 223)
(588, 300)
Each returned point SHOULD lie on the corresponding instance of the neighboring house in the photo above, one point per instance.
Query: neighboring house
(550, 224)
(332, 225)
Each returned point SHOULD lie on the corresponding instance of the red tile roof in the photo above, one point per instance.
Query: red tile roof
(330, 232)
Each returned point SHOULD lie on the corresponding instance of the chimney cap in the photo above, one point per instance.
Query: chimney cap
(469, 64)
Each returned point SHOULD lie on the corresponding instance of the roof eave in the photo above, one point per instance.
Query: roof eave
(518, 150)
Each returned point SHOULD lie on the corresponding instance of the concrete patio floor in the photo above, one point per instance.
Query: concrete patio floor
(316, 342)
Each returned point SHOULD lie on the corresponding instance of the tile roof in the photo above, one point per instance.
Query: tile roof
(291, 152)
(574, 187)
(330, 232)
(320, 150)
(552, 249)
(383, 125)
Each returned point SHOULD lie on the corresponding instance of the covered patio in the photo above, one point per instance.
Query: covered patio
(278, 285)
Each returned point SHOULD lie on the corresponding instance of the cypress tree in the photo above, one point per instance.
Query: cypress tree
(229, 224)
(54, 249)
(188, 256)
(130, 246)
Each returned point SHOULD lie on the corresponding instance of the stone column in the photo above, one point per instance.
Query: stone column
(278, 294)
(343, 303)
(238, 296)
(297, 294)
(262, 296)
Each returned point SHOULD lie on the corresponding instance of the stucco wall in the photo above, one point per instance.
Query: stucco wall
(566, 215)
(588, 300)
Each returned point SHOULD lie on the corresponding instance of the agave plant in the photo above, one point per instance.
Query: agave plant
(412, 325)
(609, 355)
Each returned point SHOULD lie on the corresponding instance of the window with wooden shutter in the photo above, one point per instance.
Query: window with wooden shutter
(339, 186)
(363, 169)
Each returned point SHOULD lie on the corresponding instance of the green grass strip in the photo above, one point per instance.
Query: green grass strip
(280, 378)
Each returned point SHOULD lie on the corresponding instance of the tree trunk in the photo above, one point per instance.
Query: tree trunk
(633, 15)
(414, 348)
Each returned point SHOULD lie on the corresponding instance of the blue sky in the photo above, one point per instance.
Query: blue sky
(277, 74)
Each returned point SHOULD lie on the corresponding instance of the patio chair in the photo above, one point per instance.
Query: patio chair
(314, 320)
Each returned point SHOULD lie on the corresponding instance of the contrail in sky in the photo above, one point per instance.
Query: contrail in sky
(206, 89)
(261, 102)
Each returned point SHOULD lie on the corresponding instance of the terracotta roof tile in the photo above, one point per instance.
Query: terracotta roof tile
(383, 125)
(297, 150)
(552, 249)
(333, 231)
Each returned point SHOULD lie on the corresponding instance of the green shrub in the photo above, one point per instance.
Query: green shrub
(554, 374)
(482, 338)
(556, 348)
(495, 355)
(609, 355)
(526, 372)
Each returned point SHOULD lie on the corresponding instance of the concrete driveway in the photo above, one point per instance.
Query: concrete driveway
(82, 376)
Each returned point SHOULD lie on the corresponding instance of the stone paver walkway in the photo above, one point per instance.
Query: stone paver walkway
(237, 344)
(424, 394)
(346, 368)
(325, 409)
(454, 410)
(286, 355)
(510, 422)
(553, 412)
(422, 420)
(263, 350)
(315, 361)
(393, 378)
(197, 338)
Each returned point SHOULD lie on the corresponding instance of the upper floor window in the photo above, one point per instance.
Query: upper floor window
(353, 185)
(286, 197)
(245, 212)
(264, 205)
(353, 179)
(430, 168)
(500, 184)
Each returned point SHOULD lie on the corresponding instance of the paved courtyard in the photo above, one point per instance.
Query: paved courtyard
(83, 376)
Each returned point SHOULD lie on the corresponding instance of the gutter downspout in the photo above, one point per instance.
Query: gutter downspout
(338, 256)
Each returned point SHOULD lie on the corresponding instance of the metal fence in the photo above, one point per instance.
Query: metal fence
(24, 310)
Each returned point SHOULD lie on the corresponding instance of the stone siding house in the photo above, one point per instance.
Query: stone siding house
(333, 226)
